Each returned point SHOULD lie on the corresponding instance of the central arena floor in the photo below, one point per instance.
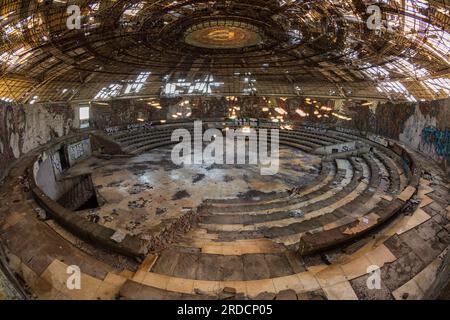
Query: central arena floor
(140, 193)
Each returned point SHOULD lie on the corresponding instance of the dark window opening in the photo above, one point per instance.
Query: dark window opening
(63, 159)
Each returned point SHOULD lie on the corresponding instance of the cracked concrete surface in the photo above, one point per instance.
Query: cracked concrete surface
(142, 192)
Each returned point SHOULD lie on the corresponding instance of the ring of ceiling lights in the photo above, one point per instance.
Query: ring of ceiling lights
(201, 35)
(223, 34)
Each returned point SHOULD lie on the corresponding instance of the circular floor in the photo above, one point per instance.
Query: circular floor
(248, 242)
(141, 192)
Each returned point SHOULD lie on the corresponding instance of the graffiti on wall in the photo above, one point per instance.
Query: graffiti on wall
(79, 151)
(439, 140)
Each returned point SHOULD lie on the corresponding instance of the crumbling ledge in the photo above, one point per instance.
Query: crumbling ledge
(160, 239)
(130, 246)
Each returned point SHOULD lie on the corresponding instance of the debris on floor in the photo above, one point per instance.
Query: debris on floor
(160, 211)
(427, 176)
(140, 187)
(313, 170)
(137, 204)
(296, 213)
(131, 225)
(227, 178)
(200, 292)
(93, 217)
(23, 181)
(118, 236)
(411, 206)
(294, 191)
(41, 214)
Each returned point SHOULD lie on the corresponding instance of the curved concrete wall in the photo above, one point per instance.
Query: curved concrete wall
(423, 126)
(47, 169)
(25, 127)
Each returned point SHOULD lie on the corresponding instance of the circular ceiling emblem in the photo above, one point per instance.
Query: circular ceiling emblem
(223, 35)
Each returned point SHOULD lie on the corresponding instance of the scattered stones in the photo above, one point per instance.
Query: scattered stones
(139, 187)
(23, 181)
(313, 170)
(171, 231)
(200, 292)
(296, 213)
(137, 204)
(427, 176)
(108, 218)
(146, 236)
(93, 217)
(227, 178)
(41, 214)
(294, 191)
(131, 225)
(411, 206)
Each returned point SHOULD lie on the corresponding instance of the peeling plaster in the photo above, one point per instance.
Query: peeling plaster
(25, 127)
(414, 126)
(404, 122)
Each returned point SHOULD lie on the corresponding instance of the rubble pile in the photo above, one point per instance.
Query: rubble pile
(174, 229)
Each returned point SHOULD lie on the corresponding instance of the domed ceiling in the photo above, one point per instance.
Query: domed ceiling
(133, 49)
(223, 34)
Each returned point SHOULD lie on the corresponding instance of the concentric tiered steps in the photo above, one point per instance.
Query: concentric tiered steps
(257, 246)
(138, 142)
(241, 241)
